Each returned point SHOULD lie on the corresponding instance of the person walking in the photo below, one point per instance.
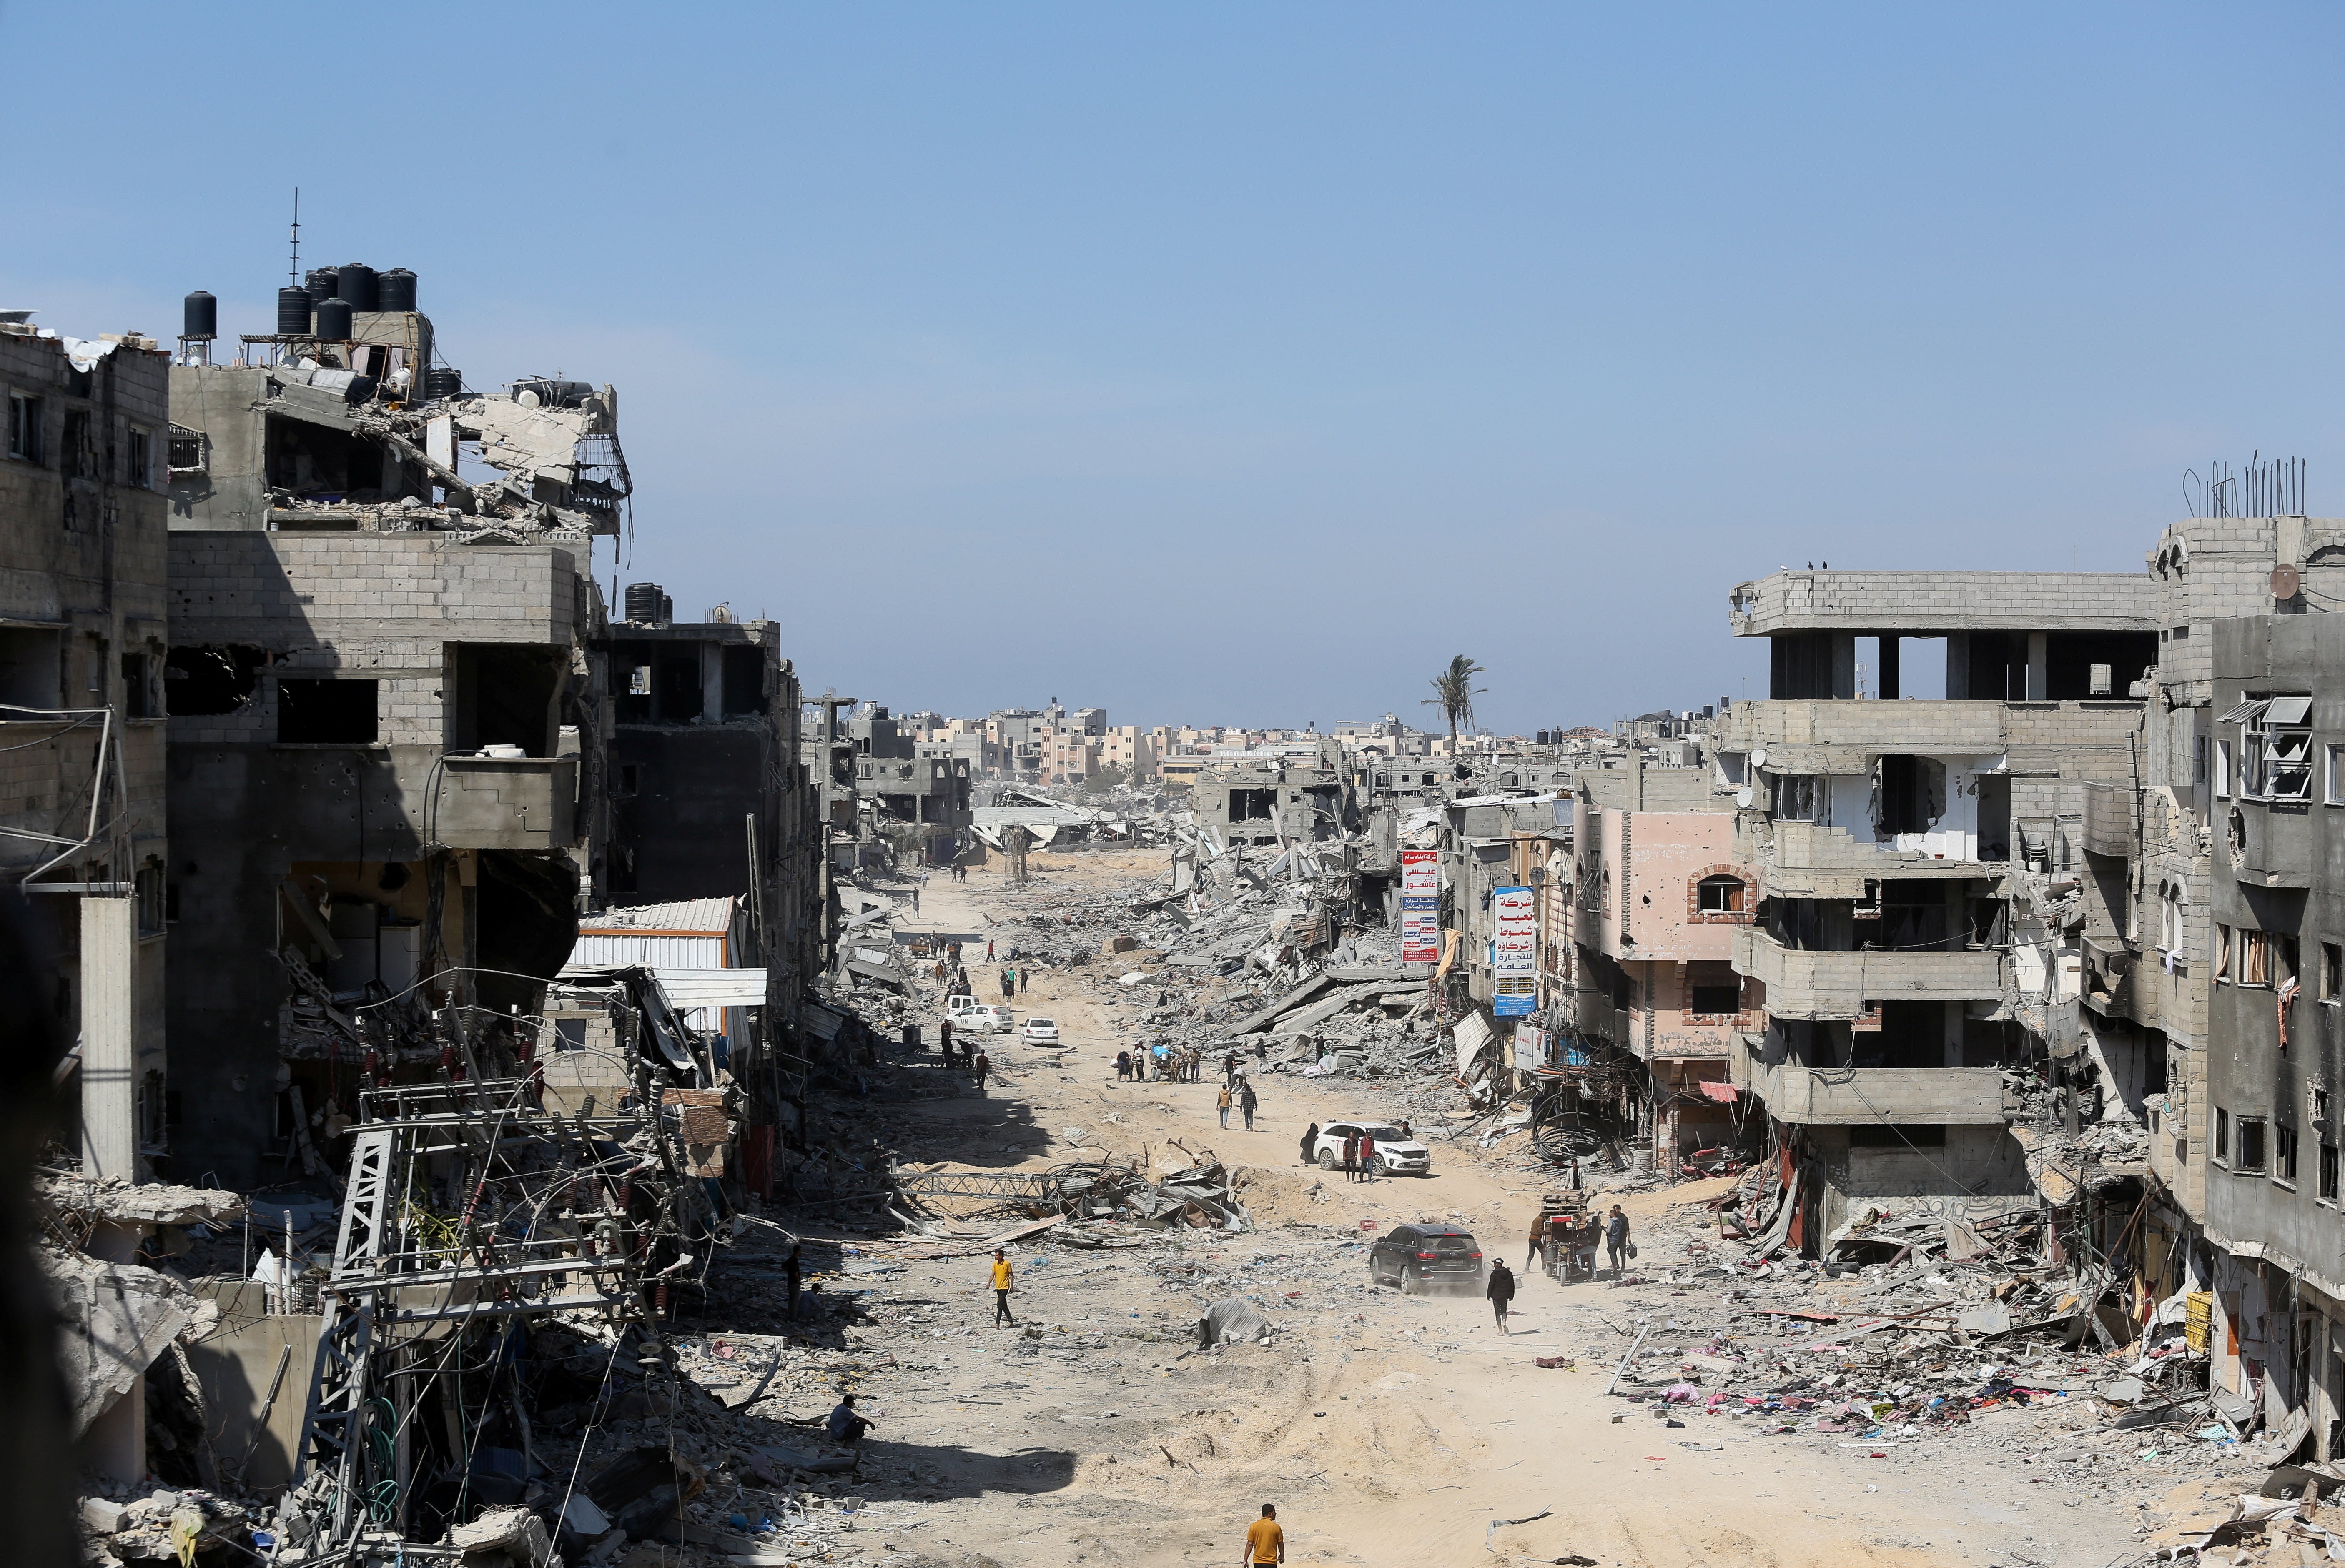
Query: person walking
(1224, 1103)
(1021, 980)
(1311, 1143)
(1009, 983)
(981, 1065)
(989, 950)
(1501, 1291)
(1368, 1154)
(1265, 1541)
(1351, 1157)
(1230, 1066)
(1123, 1067)
(944, 1038)
(916, 902)
(1005, 1279)
(1616, 1239)
(1538, 1239)
(1247, 1101)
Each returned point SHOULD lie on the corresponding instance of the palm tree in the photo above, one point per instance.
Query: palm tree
(1454, 691)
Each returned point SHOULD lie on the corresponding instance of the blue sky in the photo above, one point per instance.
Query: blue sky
(1241, 363)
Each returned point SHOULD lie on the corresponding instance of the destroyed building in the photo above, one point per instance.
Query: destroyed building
(1917, 945)
(1277, 801)
(1656, 897)
(386, 719)
(82, 647)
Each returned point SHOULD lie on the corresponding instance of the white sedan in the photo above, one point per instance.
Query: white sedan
(1396, 1153)
(1038, 1031)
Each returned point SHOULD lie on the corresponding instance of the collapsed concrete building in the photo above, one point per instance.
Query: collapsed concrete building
(1919, 862)
(83, 818)
(388, 733)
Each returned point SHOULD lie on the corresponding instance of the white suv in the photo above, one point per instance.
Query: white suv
(985, 1018)
(1396, 1153)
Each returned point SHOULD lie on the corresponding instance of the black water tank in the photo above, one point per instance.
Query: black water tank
(292, 312)
(334, 320)
(355, 282)
(443, 381)
(396, 289)
(643, 603)
(320, 281)
(200, 316)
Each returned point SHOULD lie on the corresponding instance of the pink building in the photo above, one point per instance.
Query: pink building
(1659, 897)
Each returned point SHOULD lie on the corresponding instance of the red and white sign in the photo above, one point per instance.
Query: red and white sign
(1420, 907)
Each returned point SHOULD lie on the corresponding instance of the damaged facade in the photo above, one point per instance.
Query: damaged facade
(82, 654)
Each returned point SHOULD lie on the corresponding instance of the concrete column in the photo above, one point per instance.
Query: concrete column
(115, 1446)
(109, 1037)
(2037, 674)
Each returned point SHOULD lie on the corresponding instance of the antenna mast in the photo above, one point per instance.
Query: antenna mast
(294, 277)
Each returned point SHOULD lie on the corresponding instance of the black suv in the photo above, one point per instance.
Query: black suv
(1415, 1257)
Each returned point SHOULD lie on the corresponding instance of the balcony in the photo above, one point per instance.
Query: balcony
(504, 803)
(2271, 842)
(1809, 860)
(1853, 1097)
(1838, 736)
(1806, 984)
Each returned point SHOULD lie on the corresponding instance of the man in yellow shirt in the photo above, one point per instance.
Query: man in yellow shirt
(1004, 1281)
(1265, 1541)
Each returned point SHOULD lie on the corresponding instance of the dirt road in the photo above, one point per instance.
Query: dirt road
(1389, 1429)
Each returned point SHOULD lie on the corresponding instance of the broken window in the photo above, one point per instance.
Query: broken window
(141, 473)
(311, 712)
(74, 456)
(1796, 796)
(2255, 958)
(679, 696)
(1909, 794)
(1248, 804)
(2284, 1155)
(507, 695)
(29, 667)
(185, 451)
(2332, 972)
(137, 689)
(1714, 995)
(2249, 1153)
(1721, 895)
(24, 432)
(150, 897)
(745, 679)
(2222, 953)
(2329, 1173)
(200, 679)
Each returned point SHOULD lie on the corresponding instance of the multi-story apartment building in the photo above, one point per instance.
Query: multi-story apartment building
(1659, 899)
(82, 608)
(1920, 862)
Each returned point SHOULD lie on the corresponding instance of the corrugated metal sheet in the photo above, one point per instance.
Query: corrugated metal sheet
(710, 916)
(622, 949)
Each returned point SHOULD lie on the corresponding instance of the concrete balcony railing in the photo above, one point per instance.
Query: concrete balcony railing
(1807, 860)
(1853, 1097)
(505, 802)
(1803, 983)
(1834, 735)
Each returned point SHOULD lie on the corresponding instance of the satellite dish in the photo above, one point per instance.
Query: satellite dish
(1742, 795)
(1759, 758)
(2285, 582)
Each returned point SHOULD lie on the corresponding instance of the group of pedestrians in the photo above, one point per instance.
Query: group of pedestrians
(1238, 1093)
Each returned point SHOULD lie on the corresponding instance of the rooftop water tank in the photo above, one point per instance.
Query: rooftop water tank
(643, 600)
(443, 381)
(356, 283)
(395, 289)
(200, 316)
(321, 283)
(334, 320)
(292, 312)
